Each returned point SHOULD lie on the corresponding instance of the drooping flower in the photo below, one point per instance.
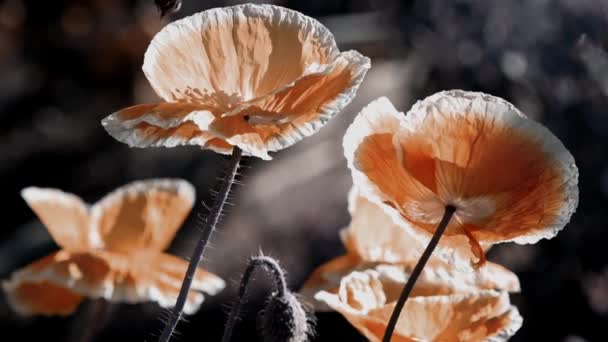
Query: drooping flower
(445, 305)
(508, 177)
(259, 77)
(111, 250)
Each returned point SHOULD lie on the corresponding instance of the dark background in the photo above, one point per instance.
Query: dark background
(64, 65)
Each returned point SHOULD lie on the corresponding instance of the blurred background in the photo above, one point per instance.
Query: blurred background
(64, 65)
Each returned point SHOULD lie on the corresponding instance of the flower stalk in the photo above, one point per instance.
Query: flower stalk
(199, 250)
(407, 289)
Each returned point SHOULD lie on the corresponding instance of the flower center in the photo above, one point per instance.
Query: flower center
(472, 210)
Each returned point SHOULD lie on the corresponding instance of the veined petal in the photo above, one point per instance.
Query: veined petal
(375, 161)
(263, 76)
(292, 112)
(490, 151)
(234, 54)
(509, 178)
(163, 124)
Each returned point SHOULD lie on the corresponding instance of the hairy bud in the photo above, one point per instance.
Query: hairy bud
(284, 319)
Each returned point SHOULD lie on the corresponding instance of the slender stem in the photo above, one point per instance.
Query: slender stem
(98, 312)
(199, 250)
(270, 265)
(407, 289)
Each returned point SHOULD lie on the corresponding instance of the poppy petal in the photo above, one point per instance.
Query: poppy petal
(69, 276)
(438, 278)
(162, 124)
(162, 276)
(374, 237)
(42, 298)
(242, 52)
(486, 148)
(375, 161)
(367, 300)
(143, 215)
(64, 215)
(294, 111)
(327, 278)
(117, 278)
(509, 177)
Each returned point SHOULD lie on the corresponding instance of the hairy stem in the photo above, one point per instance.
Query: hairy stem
(199, 250)
(407, 289)
(270, 265)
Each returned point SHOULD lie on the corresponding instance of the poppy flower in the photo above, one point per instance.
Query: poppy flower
(259, 77)
(367, 298)
(373, 241)
(507, 176)
(111, 250)
(445, 305)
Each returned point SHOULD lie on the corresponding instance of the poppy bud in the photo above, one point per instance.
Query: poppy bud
(284, 319)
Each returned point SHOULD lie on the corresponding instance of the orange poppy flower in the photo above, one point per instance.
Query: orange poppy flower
(373, 241)
(367, 299)
(508, 177)
(445, 305)
(111, 250)
(259, 77)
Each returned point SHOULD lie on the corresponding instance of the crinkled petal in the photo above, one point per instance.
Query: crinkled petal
(437, 278)
(524, 180)
(271, 75)
(327, 278)
(372, 135)
(367, 301)
(509, 178)
(163, 125)
(233, 54)
(292, 112)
